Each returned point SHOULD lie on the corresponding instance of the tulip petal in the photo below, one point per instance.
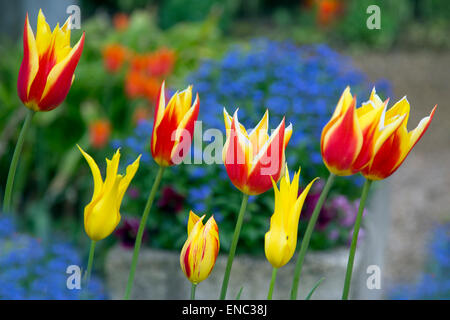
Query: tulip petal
(258, 136)
(369, 122)
(413, 137)
(125, 182)
(60, 78)
(342, 142)
(30, 65)
(236, 155)
(187, 124)
(98, 182)
(287, 135)
(344, 102)
(193, 218)
(268, 163)
(103, 216)
(400, 108)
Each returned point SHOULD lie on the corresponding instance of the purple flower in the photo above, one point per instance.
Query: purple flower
(133, 192)
(325, 216)
(171, 200)
(128, 231)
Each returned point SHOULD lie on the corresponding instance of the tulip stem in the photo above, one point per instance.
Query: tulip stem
(90, 263)
(308, 233)
(193, 287)
(142, 225)
(15, 161)
(234, 242)
(351, 257)
(272, 283)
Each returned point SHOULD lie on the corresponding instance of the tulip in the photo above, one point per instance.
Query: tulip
(253, 160)
(101, 215)
(47, 70)
(346, 142)
(393, 142)
(281, 239)
(347, 145)
(201, 248)
(173, 126)
(45, 77)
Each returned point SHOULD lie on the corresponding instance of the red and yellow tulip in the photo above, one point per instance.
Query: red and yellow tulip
(347, 139)
(173, 124)
(281, 240)
(201, 248)
(101, 215)
(253, 159)
(393, 142)
(47, 70)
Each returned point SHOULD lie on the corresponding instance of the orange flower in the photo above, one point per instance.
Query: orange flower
(121, 21)
(172, 124)
(328, 10)
(99, 132)
(253, 159)
(47, 70)
(161, 62)
(138, 85)
(114, 55)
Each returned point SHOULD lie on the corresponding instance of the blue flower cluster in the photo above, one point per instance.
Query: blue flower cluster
(435, 282)
(30, 270)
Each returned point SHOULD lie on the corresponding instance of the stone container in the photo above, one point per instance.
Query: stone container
(159, 275)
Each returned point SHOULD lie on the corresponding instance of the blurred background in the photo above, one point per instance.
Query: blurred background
(294, 57)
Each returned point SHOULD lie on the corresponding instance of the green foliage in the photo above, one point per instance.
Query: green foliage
(353, 29)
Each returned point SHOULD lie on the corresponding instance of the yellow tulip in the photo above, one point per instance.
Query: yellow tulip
(201, 248)
(101, 215)
(281, 239)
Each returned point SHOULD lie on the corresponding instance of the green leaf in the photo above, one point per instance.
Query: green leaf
(308, 297)
(239, 293)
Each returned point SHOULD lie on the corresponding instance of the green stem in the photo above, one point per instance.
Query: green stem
(237, 231)
(142, 225)
(90, 263)
(351, 257)
(193, 287)
(308, 233)
(15, 161)
(272, 283)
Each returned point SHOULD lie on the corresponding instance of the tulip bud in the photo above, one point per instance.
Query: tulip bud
(201, 248)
